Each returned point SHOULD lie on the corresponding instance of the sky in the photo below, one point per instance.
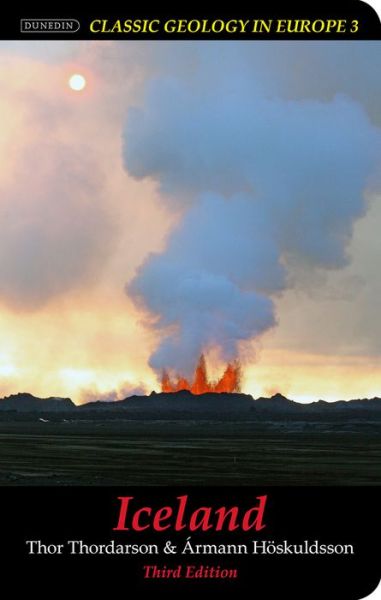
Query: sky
(195, 196)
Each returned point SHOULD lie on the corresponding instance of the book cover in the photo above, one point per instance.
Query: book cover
(189, 296)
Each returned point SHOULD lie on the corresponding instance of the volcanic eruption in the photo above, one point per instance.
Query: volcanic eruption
(264, 189)
(228, 383)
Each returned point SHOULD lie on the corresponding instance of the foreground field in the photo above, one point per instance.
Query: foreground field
(183, 452)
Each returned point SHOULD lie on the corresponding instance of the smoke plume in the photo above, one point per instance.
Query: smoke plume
(260, 183)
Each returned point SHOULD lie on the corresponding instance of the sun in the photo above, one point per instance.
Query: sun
(77, 82)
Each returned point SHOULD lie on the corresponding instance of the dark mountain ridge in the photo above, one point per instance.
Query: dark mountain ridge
(25, 402)
(184, 402)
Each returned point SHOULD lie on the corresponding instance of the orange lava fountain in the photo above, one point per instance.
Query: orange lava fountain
(228, 383)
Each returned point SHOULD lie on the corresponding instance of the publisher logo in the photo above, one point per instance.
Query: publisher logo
(49, 25)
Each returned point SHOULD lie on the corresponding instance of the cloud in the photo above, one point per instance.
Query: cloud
(263, 182)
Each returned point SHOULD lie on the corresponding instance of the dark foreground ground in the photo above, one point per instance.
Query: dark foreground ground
(184, 452)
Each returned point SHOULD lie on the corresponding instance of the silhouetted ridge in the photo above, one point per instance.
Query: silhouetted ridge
(212, 403)
(26, 402)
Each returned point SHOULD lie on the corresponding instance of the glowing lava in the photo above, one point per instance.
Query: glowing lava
(228, 383)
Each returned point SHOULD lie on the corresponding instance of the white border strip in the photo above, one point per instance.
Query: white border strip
(376, 4)
(375, 595)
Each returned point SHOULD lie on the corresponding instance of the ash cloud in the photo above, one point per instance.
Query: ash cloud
(201, 285)
(261, 182)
